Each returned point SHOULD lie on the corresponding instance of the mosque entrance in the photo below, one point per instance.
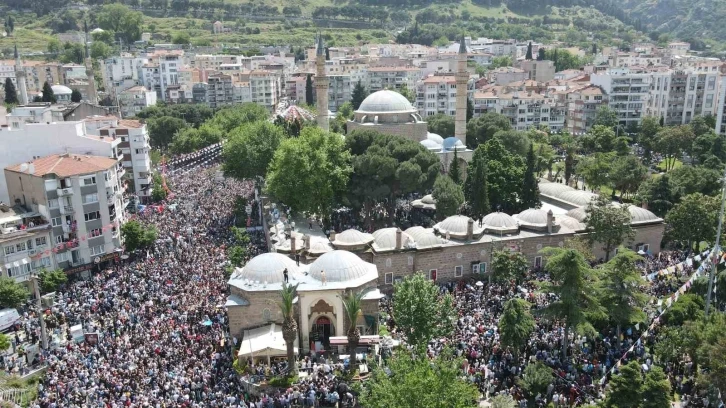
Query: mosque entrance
(320, 334)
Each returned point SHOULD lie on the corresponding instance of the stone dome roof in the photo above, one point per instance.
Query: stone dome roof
(436, 138)
(452, 143)
(352, 238)
(500, 223)
(343, 266)
(268, 268)
(456, 226)
(553, 189)
(578, 213)
(319, 246)
(424, 238)
(431, 145)
(641, 215)
(427, 202)
(571, 223)
(533, 218)
(386, 101)
(385, 239)
(61, 90)
(577, 197)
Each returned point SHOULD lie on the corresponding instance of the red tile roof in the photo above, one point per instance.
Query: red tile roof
(65, 165)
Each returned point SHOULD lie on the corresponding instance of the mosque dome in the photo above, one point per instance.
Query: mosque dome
(268, 268)
(427, 202)
(456, 226)
(452, 143)
(61, 90)
(424, 238)
(343, 266)
(386, 101)
(553, 189)
(352, 238)
(640, 215)
(431, 145)
(577, 197)
(532, 218)
(571, 223)
(436, 138)
(385, 239)
(579, 213)
(500, 223)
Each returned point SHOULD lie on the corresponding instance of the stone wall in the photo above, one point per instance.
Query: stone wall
(262, 305)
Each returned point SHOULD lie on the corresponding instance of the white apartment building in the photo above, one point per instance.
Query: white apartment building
(123, 72)
(525, 109)
(169, 66)
(241, 92)
(83, 197)
(22, 142)
(133, 100)
(25, 242)
(628, 92)
(265, 89)
(507, 75)
(392, 78)
(582, 106)
(436, 94)
(540, 71)
(721, 107)
(340, 91)
(679, 95)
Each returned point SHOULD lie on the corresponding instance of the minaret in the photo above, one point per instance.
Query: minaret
(321, 85)
(20, 79)
(462, 79)
(92, 97)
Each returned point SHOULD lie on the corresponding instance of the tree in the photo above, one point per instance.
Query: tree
(528, 56)
(535, 380)
(607, 224)
(12, 293)
(407, 93)
(163, 129)
(100, 50)
(358, 95)
(476, 191)
(232, 117)
(620, 292)
(571, 283)
(414, 382)
(5, 342)
(508, 265)
(288, 293)
(649, 129)
(503, 401)
(137, 236)
(181, 38)
(50, 281)
(455, 169)
(516, 324)
(189, 139)
(482, 129)
(11, 94)
(514, 141)
(249, 149)
(448, 196)
(594, 49)
(121, 20)
(420, 313)
(309, 90)
(441, 124)
(657, 193)
(469, 110)
(505, 179)
(693, 220)
(625, 388)
(656, 389)
(324, 161)
(541, 54)
(600, 139)
(627, 174)
(695, 179)
(530, 188)
(9, 25)
(352, 302)
(607, 117)
(671, 141)
(236, 255)
(76, 95)
(48, 95)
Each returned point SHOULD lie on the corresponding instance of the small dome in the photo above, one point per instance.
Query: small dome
(533, 218)
(452, 143)
(267, 268)
(456, 226)
(386, 101)
(61, 90)
(431, 145)
(553, 189)
(579, 213)
(319, 246)
(571, 223)
(385, 239)
(352, 238)
(641, 215)
(343, 266)
(436, 138)
(499, 222)
(427, 202)
(577, 197)
(424, 238)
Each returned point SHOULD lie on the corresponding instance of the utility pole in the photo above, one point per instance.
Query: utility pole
(715, 251)
(38, 303)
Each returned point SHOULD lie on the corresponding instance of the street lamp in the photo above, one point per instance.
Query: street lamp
(36, 290)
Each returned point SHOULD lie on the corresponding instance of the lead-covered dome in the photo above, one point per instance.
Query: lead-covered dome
(343, 266)
(579, 213)
(571, 223)
(640, 215)
(424, 238)
(431, 145)
(352, 238)
(385, 239)
(457, 226)
(577, 197)
(500, 223)
(434, 137)
(452, 143)
(386, 101)
(61, 90)
(268, 268)
(533, 218)
(553, 189)
(427, 202)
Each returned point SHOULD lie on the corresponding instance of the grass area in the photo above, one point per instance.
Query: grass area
(672, 163)
(30, 384)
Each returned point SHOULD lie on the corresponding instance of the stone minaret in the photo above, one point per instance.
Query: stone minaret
(92, 97)
(321, 85)
(20, 79)
(462, 79)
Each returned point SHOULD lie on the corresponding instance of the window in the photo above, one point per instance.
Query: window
(62, 257)
(41, 263)
(458, 271)
(93, 215)
(98, 250)
(90, 198)
(709, 101)
(10, 249)
(432, 274)
(56, 221)
(20, 247)
(58, 239)
(538, 262)
(89, 181)
(40, 241)
(95, 232)
(483, 268)
(389, 278)
(53, 203)
(29, 244)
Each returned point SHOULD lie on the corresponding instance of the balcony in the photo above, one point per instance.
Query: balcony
(66, 209)
(64, 191)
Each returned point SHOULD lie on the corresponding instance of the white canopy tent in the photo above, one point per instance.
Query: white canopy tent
(264, 341)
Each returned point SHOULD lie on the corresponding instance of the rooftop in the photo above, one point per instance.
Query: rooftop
(64, 165)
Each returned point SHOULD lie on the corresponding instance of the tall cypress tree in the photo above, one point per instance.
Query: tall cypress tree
(528, 57)
(359, 94)
(11, 94)
(455, 169)
(475, 186)
(594, 49)
(48, 95)
(530, 190)
(309, 90)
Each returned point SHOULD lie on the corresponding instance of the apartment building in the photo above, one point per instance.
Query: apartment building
(540, 71)
(436, 94)
(241, 92)
(392, 78)
(295, 88)
(265, 89)
(721, 107)
(219, 90)
(82, 195)
(628, 91)
(582, 106)
(340, 91)
(525, 109)
(507, 75)
(169, 65)
(678, 95)
(133, 100)
(123, 72)
(25, 242)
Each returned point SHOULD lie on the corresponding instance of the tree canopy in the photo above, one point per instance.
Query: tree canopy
(12, 294)
(693, 220)
(607, 224)
(136, 235)
(250, 148)
(121, 20)
(482, 129)
(448, 195)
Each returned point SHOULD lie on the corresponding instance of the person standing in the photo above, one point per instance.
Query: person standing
(284, 274)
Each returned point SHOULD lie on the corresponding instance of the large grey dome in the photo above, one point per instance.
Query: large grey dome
(457, 226)
(424, 238)
(640, 215)
(386, 101)
(499, 222)
(61, 90)
(385, 239)
(343, 266)
(267, 268)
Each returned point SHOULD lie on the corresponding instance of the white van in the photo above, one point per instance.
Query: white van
(8, 317)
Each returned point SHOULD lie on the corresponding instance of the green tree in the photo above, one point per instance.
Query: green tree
(514, 141)
(441, 124)
(121, 20)
(100, 50)
(236, 255)
(12, 293)
(5, 342)
(627, 174)
(309, 90)
(516, 324)
(136, 236)
(455, 169)
(76, 95)
(48, 95)
(448, 196)
(508, 265)
(602, 139)
(11, 94)
(656, 389)
(358, 95)
(693, 220)
(421, 314)
(352, 302)
(530, 188)
(232, 117)
(181, 38)
(657, 193)
(687, 180)
(572, 284)
(672, 141)
(416, 382)
(476, 191)
(50, 281)
(249, 149)
(620, 290)
(608, 225)
(288, 293)
(482, 129)
(502, 61)
(407, 93)
(469, 110)
(647, 136)
(163, 129)
(505, 177)
(324, 161)
(535, 379)
(528, 55)
(541, 54)
(503, 401)
(625, 388)
(607, 117)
